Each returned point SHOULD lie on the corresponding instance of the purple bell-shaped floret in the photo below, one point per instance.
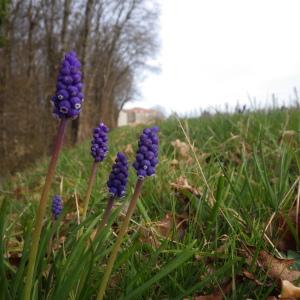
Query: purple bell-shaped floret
(147, 154)
(56, 206)
(99, 147)
(68, 98)
(118, 176)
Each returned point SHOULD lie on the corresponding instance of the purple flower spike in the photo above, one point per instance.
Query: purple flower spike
(68, 98)
(147, 154)
(118, 176)
(56, 206)
(99, 146)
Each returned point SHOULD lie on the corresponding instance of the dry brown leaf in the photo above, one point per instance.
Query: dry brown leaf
(169, 222)
(14, 251)
(252, 277)
(15, 258)
(183, 189)
(183, 150)
(128, 149)
(276, 268)
(181, 184)
(182, 147)
(218, 294)
(288, 136)
(288, 290)
(20, 192)
(209, 269)
(58, 243)
(164, 228)
(214, 296)
(235, 157)
(174, 163)
(287, 240)
(69, 217)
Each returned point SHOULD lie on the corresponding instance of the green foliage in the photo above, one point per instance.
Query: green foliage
(246, 167)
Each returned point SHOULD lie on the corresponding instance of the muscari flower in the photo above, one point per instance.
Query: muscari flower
(147, 154)
(99, 147)
(146, 161)
(68, 97)
(118, 176)
(56, 206)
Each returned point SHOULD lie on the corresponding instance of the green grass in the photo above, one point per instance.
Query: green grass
(246, 171)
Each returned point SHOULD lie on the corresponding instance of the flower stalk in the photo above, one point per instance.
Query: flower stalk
(67, 104)
(116, 185)
(99, 149)
(122, 232)
(42, 208)
(106, 214)
(89, 189)
(145, 165)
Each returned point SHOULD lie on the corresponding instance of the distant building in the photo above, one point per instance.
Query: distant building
(122, 119)
(138, 115)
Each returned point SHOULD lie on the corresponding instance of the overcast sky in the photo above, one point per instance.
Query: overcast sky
(216, 51)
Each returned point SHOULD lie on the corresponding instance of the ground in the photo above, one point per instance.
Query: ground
(219, 212)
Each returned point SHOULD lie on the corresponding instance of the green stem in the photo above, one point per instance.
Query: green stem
(122, 232)
(42, 209)
(89, 189)
(105, 215)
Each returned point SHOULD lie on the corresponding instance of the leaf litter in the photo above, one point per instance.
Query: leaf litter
(170, 227)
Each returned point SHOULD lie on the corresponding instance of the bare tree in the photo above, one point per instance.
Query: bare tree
(114, 38)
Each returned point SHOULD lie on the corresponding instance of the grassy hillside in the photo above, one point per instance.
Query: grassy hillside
(223, 193)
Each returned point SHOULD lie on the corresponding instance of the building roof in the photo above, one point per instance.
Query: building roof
(140, 110)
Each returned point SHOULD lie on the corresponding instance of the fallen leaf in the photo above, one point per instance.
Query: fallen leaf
(128, 149)
(288, 136)
(14, 251)
(15, 258)
(218, 294)
(235, 158)
(182, 147)
(174, 163)
(276, 268)
(20, 192)
(166, 225)
(181, 184)
(58, 243)
(214, 296)
(69, 217)
(288, 290)
(183, 150)
(252, 277)
(151, 233)
(209, 269)
(287, 239)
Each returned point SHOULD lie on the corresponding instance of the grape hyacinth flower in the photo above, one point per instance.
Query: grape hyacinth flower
(99, 146)
(118, 176)
(99, 149)
(67, 104)
(68, 97)
(147, 154)
(116, 185)
(56, 206)
(145, 165)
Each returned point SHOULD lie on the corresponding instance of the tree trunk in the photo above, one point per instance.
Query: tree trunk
(67, 11)
(84, 42)
(3, 76)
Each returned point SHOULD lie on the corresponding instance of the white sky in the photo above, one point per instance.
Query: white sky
(218, 51)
